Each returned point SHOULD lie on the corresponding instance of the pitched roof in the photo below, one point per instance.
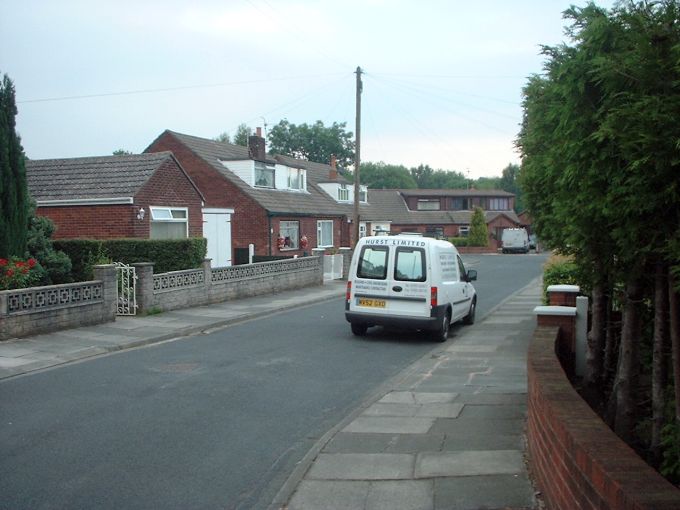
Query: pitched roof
(107, 177)
(313, 202)
(457, 193)
(389, 205)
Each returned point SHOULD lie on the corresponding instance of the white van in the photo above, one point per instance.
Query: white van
(410, 282)
(515, 240)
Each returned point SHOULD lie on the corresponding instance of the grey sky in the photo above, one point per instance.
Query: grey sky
(442, 86)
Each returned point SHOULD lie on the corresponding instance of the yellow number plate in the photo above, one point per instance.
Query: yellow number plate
(372, 303)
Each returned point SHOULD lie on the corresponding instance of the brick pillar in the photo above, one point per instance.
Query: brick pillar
(144, 287)
(106, 273)
(346, 259)
(564, 317)
(563, 295)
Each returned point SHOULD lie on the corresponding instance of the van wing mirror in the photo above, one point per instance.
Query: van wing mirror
(472, 275)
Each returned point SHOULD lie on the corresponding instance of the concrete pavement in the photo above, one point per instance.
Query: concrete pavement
(446, 433)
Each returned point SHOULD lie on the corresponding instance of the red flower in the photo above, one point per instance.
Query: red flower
(24, 270)
(3, 262)
(19, 263)
(9, 272)
(32, 262)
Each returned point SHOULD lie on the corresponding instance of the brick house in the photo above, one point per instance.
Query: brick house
(442, 212)
(276, 203)
(134, 196)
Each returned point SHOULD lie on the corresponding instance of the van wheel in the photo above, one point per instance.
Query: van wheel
(359, 329)
(442, 334)
(469, 319)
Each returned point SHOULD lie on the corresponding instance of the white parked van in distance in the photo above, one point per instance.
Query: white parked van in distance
(407, 281)
(515, 240)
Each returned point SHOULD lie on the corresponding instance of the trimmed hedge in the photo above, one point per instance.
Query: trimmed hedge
(166, 254)
(559, 270)
(458, 241)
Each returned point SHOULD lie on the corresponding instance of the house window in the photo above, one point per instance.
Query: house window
(363, 194)
(264, 175)
(324, 233)
(362, 230)
(499, 204)
(459, 204)
(464, 231)
(428, 205)
(343, 193)
(169, 222)
(296, 178)
(290, 231)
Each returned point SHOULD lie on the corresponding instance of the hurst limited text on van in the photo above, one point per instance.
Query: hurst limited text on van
(406, 281)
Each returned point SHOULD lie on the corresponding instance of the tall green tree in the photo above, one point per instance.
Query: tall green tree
(600, 170)
(314, 142)
(509, 182)
(14, 204)
(428, 178)
(383, 176)
(242, 134)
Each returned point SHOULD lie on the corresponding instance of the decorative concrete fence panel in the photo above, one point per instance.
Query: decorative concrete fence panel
(38, 310)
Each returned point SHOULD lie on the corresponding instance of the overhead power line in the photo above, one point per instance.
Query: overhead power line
(172, 89)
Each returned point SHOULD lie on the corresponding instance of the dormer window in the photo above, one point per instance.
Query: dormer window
(343, 193)
(264, 175)
(428, 205)
(363, 194)
(296, 179)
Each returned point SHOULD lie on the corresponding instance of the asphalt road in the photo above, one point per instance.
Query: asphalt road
(210, 421)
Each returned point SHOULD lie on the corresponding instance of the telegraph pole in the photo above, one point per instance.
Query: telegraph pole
(357, 157)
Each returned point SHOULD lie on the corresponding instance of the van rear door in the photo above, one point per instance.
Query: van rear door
(409, 288)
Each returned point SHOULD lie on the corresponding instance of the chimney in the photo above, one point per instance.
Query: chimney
(333, 172)
(256, 146)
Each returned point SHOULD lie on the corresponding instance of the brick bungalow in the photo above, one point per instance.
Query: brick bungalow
(277, 203)
(134, 196)
(443, 212)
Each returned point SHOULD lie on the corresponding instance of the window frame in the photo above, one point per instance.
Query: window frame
(295, 240)
(319, 233)
(343, 190)
(261, 167)
(423, 201)
(300, 178)
(154, 217)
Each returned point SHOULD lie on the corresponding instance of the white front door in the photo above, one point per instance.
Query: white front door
(217, 230)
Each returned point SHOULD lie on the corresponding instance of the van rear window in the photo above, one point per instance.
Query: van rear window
(373, 262)
(409, 265)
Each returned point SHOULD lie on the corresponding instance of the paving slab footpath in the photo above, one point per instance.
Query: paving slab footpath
(446, 433)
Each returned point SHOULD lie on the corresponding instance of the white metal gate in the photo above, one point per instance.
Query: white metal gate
(126, 283)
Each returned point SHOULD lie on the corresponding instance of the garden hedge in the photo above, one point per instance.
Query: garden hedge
(166, 254)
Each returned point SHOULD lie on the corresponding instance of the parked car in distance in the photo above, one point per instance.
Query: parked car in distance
(409, 282)
(515, 240)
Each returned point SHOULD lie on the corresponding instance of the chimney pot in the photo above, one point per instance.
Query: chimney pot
(333, 172)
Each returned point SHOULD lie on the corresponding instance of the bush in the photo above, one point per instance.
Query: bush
(458, 241)
(19, 274)
(559, 270)
(166, 254)
(479, 233)
(54, 267)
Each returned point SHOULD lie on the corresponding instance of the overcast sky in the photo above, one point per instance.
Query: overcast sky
(442, 84)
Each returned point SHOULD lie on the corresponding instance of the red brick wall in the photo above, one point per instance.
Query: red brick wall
(169, 186)
(92, 221)
(577, 461)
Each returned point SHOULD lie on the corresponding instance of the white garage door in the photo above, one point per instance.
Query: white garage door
(217, 230)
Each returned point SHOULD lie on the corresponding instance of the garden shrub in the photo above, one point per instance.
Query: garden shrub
(458, 241)
(559, 270)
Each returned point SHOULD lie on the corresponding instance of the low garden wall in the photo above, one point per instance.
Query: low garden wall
(36, 310)
(25, 312)
(576, 460)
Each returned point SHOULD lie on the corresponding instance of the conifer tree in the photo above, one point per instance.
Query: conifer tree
(479, 235)
(13, 187)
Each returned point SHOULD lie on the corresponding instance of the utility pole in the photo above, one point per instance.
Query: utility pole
(357, 157)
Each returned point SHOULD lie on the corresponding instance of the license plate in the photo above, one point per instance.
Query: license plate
(372, 303)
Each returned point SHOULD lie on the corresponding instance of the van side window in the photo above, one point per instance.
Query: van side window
(373, 262)
(409, 265)
(461, 270)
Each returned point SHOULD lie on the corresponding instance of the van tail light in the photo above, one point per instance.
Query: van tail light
(348, 296)
(433, 296)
